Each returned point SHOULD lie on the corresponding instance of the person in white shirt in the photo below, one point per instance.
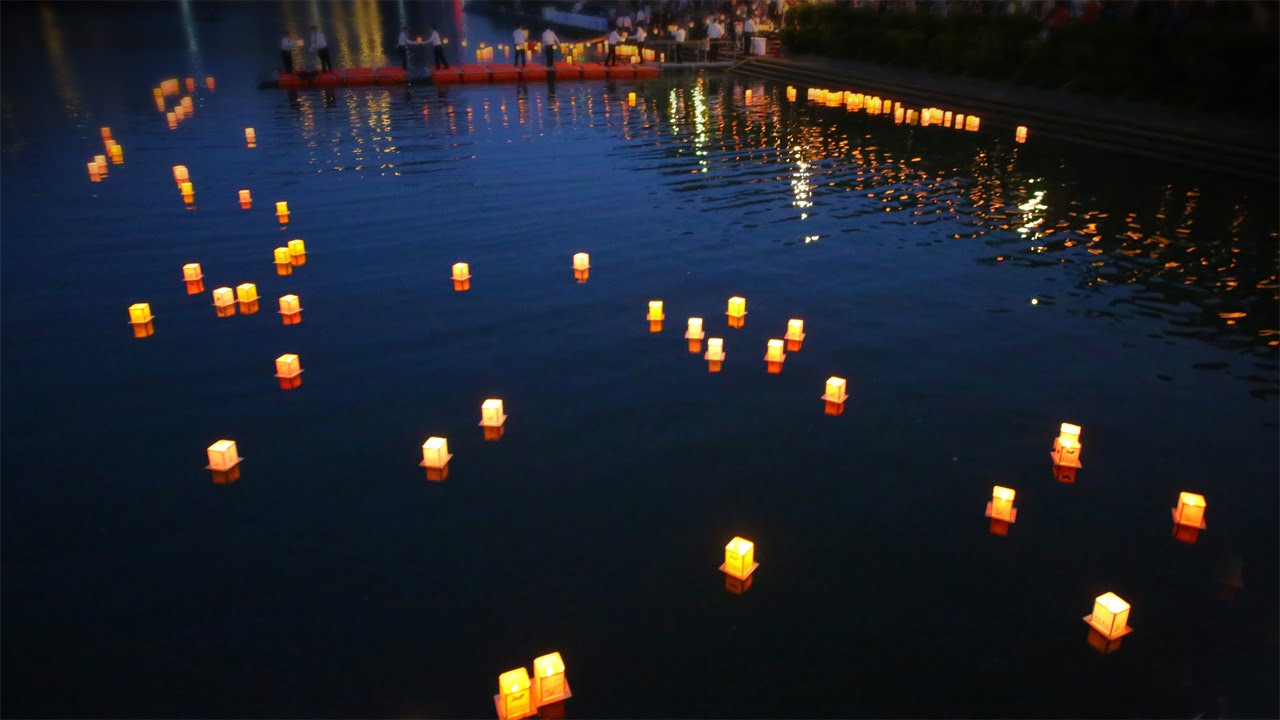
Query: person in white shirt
(714, 33)
(321, 48)
(639, 40)
(549, 44)
(519, 40)
(286, 52)
(748, 32)
(437, 48)
(679, 36)
(403, 45)
(612, 41)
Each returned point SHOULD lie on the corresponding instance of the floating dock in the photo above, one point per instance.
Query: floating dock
(479, 73)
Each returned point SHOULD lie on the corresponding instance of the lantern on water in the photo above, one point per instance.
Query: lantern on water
(188, 106)
(491, 414)
(514, 699)
(290, 309)
(246, 200)
(737, 307)
(191, 84)
(549, 682)
(191, 272)
(101, 161)
(250, 136)
(946, 119)
(739, 558)
(631, 99)
(188, 193)
(209, 83)
(655, 311)
(835, 390)
(224, 298)
(282, 211)
(158, 94)
(170, 86)
(795, 330)
(581, 261)
(791, 93)
(1110, 616)
(1190, 510)
(695, 329)
(1066, 447)
(715, 353)
(117, 153)
(246, 293)
(461, 271)
(94, 176)
(1001, 506)
(160, 104)
(297, 251)
(912, 117)
(773, 352)
(106, 133)
(172, 117)
(288, 366)
(435, 453)
(1020, 135)
(180, 174)
(179, 112)
(746, 95)
(899, 115)
(972, 123)
(140, 313)
(223, 455)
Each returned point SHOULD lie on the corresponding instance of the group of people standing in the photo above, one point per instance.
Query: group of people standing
(319, 46)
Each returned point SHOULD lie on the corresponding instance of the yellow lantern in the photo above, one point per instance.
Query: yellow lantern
(739, 558)
(250, 136)
(246, 200)
(946, 119)
(899, 115)
(737, 307)
(282, 208)
(191, 272)
(695, 329)
(912, 117)
(581, 261)
(491, 414)
(170, 86)
(140, 313)
(774, 354)
(835, 390)
(746, 95)
(101, 161)
(224, 297)
(1066, 447)
(791, 93)
(117, 154)
(514, 699)
(180, 174)
(290, 305)
(631, 99)
(93, 173)
(1110, 616)
(972, 123)
(157, 93)
(246, 293)
(179, 112)
(1001, 505)
(1020, 134)
(715, 350)
(288, 366)
(435, 453)
(655, 311)
(172, 117)
(223, 455)
(1190, 510)
(549, 682)
(188, 106)
(795, 330)
(461, 271)
(188, 193)
(281, 256)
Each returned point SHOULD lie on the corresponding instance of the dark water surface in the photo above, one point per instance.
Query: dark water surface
(975, 293)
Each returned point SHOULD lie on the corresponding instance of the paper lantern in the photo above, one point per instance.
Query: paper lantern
(280, 256)
(1066, 447)
(695, 329)
(223, 297)
(631, 99)
(774, 352)
(912, 117)
(209, 83)
(223, 455)
(246, 293)
(106, 133)
(791, 93)
(737, 307)
(188, 193)
(514, 699)
(288, 366)
(1001, 506)
(835, 390)
(191, 84)
(246, 200)
(1190, 510)
(715, 349)
(282, 208)
(94, 176)
(899, 115)
(1020, 134)
(290, 309)
(491, 414)
(972, 123)
(101, 160)
(117, 153)
(180, 174)
(188, 106)
(655, 311)
(435, 453)
(739, 558)
(1110, 616)
(157, 93)
(179, 112)
(250, 136)
(581, 261)
(946, 119)
(746, 95)
(140, 313)
(172, 117)
(160, 104)
(170, 86)
(549, 682)
(461, 271)
(191, 272)
(795, 329)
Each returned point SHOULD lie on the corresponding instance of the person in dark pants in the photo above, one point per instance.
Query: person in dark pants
(286, 52)
(748, 33)
(612, 41)
(437, 49)
(549, 43)
(403, 45)
(321, 46)
(519, 39)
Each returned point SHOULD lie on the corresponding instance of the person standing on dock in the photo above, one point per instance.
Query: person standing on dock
(714, 33)
(437, 48)
(519, 39)
(639, 40)
(679, 38)
(321, 47)
(403, 45)
(286, 52)
(549, 43)
(748, 33)
(612, 41)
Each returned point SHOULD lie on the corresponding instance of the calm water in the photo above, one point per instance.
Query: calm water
(976, 294)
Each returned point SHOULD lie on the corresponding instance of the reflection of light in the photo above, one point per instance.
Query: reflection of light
(57, 57)
(811, 239)
(1033, 218)
(1035, 301)
(800, 186)
(700, 125)
(189, 27)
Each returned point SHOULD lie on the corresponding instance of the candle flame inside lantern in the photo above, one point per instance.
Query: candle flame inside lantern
(1190, 510)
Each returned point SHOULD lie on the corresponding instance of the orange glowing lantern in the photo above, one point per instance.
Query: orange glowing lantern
(1020, 134)
(461, 272)
(959, 120)
(549, 682)
(899, 115)
(695, 329)
(715, 350)
(94, 176)
(188, 105)
(737, 307)
(791, 93)
(172, 117)
(491, 414)
(188, 193)
(795, 330)
(246, 200)
(581, 261)
(290, 309)
(739, 558)
(1190, 511)
(191, 272)
(224, 299)
(946, 119)
(288, 366)
(158, 94)
(774, 356)
(246, 293)
(180, 174)
(250, 136)
(170, 86)
(106, 133)
(191, 84)
(160, 104)
(435, 453)
(223, 456)
(746, 95)
(1066, 447)
(1001, 505)
(116, 152)
(835, 390)
(631, 99)
(280, 256)
(101, 162)
(140, 314)
(209, 82)
(514, 699)
(1110, 616)
(655, 311)
(912, 117)
(179, 112)
(282, 211)
(972, 123)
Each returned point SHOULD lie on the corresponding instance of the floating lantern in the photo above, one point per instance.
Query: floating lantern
(912, 117)
(1110, 616)
(435, 453)
(250, 136)
(172, 117)
(461, 272)
(180, 174)
(224, 301)
(746, 95)
(835, 390)
(514, 699)
(188, 193)
(282, 211)
(737, 307)
(170, 86)
(774, 356)
(795, 330)
(972, 123)
(188, 106)
(288, 366)
(191, 84)
(209, 83)
(959, 120)
(631, 99)
(223, 456)
(140, 313)
(1066, 447)
(160, 104)
(117, 153)
(1190, 511)
(581, 261)
(655, 310)
(282, 260)
(491, 414)
(106, 133)
(290, 309)
(1001, 506)
(946, 119)
(1020, 135)
(549, 682)
(246, 200)
(191, 272)
(739, 558)
(695, 329)
(715, 351)
(158, 94)
(94, 176)
(899, 115)
(179, 112)
(791, 93)
(101, 161)
(297, 252)
(246, 293)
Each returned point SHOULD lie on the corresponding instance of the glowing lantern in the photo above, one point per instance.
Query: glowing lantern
(188, 106)
(290, 309)
(246, 200)
(288, 366)
(631, 99)
(180, 174)
(117, 153)
(959, 122)
(179, 112)
(170, 86)
(223, 455)
(106, 133)
(93, 172)
(912, 117)
(224, 297)
(549, 682)
(746, 95)
(282, 211)
(655, 310)
(835, 390)
(1190, 510)
(791, 93)
(859, 101)
(899, 115)
(972, 123)
(491, 414)
(101, 161)
(250, 136)
(695, 329)
(461, 271)
(435, 453)
(246, 293)
(774, 352)
(739, 558)
(1110, 616)
(715, 350)
(581, 261)
(1066, 447)
(158, 94)
(140, 313)
(795, 330)
(946, 119)
(172, 117)
(160, 104)
(514, 699)
(1001, 505)
(1020, 134)
(191, 272)
(191, 84)
(737, 307)
(209, 83)
(188, 193)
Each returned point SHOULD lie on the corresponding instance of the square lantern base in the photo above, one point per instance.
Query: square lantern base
(1065, 463)
(690, 336)
(227, 468)
(142, 322)
(497, 705)
(745, 575)
(437, 466)
(1088, 619)
(838, 399)
(1174, 513)
(794, 345)
(773, 368)
(289, 377)
(543, 703)
(501, 421)
(1013, 515)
